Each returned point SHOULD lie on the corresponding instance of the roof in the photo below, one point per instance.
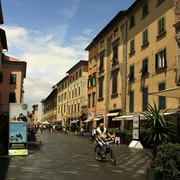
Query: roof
(121, 15)
(80, 63)
(10, 60)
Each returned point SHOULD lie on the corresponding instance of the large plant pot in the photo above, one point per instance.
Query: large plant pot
(151, 174)
(31, 137)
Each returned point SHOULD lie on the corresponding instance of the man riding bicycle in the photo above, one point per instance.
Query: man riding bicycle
(101, 135)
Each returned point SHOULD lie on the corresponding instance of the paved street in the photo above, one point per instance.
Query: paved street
(66, 157)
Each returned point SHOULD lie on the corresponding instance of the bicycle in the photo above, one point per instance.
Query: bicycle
(107, 150)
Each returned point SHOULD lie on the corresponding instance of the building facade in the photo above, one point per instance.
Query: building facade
(12, 77)
(49, 106)
(77, 94)
(137, 54)
(62, 99)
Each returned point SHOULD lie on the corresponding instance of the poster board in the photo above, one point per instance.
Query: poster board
(18, 129)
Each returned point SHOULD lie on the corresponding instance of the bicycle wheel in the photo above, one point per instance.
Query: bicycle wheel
(113, 159)
(97, 153)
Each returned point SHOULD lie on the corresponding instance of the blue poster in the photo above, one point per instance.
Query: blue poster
(18, 132)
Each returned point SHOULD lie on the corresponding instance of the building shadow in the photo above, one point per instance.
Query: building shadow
(4, 164)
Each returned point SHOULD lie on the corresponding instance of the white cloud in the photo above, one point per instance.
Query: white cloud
(87, 31)
(47, 60)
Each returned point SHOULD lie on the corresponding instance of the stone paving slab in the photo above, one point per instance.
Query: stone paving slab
(69, 157)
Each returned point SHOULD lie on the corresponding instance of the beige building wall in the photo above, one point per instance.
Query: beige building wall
(77, 94)
(62, 99)
(91, 85)
(155, 45)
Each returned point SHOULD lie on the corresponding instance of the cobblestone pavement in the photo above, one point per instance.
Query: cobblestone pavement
(69, 157)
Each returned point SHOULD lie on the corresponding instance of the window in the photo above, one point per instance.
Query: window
(116, 32)
(12, 78)
(114, 82)
(76, 92)
(80, 74)
(76, 74)
(101, 88)
(131, 73)
(79, 91)
(132, 20)
(161, 26)
(70, 95)
(145, 98)
(102, 44)
(94, 79)
(145, 10)
(145, 37)
(159, 2)
(75, 108)
(101, 63)
(132, 49)
(115, 53)
(91, 81)
(78, 107)
(89, 100)
(131, 101)
(144, 69)
(71, 108)
(162, 99)
(1, 77)
(160, 59)
(12, 97)
(93, 99)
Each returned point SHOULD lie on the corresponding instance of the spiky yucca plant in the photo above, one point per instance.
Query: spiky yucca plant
(157, 130)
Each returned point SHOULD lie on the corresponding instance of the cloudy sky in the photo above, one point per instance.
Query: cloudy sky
(51, 36)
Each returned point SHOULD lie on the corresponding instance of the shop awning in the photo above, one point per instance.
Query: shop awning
(87, 120)
(97, 118)
(125, 117)
(55, 121)
(112, 114)
(130, 117)
(74, 121)
(173, 93)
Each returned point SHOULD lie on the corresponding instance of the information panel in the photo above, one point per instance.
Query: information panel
(18, 129)
(136, 119)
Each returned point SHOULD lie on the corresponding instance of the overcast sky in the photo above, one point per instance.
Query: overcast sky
(51, 35)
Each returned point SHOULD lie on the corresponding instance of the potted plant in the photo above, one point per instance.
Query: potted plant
(156, 134)
(168, 161)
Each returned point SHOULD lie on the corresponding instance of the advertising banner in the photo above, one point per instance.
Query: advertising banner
(136, 119)
(18, 129)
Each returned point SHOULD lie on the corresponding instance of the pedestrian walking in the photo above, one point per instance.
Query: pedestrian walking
(117, 137)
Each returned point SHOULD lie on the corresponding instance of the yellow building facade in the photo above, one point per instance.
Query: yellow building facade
(137, 55)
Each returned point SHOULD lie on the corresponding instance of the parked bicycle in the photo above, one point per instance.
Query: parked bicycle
(107, 150)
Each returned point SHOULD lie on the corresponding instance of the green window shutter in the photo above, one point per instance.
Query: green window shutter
(156, 61)
(145, 98)
(131, 104)
(162, 99)
(165, 61)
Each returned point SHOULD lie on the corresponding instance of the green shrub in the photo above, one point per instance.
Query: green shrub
(31, 130)
(168, 160)
(111, 130)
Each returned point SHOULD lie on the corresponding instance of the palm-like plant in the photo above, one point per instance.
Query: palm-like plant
(157, 130)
